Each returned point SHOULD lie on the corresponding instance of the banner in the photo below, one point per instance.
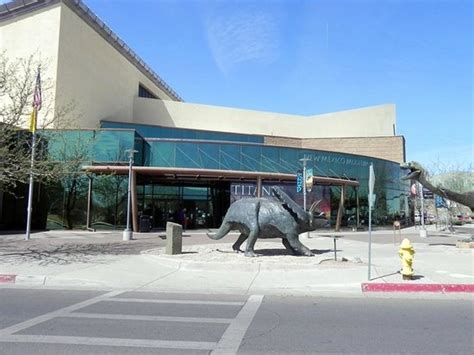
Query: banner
(309, 179)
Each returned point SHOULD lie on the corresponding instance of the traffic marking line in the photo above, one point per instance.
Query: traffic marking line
(416, 287)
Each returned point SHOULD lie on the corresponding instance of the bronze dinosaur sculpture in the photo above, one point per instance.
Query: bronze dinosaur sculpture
(418, 173)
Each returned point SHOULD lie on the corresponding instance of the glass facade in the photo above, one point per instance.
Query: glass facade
(204, 201)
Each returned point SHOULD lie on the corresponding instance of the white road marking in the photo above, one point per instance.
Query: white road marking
(146, 300)
(139, 343)
(235, 332)
(461, 276)
(148, 318)
(58, 313)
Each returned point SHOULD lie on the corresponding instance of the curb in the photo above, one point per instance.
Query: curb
(7, 279)
(417, 287)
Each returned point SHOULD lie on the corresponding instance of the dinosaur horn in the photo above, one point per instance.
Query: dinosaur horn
(314, 205)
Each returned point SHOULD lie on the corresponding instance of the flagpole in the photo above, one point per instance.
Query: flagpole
(37, 101)
(30, 188)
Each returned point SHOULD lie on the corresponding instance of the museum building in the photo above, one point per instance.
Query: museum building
(189, 157)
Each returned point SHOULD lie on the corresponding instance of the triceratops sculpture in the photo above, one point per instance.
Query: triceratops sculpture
(265, 218)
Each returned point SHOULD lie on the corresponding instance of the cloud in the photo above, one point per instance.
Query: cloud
(242, 37)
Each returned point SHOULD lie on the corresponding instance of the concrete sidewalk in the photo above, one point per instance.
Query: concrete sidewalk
(103, 260)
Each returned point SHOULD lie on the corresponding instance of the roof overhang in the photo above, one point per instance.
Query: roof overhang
(212, 174)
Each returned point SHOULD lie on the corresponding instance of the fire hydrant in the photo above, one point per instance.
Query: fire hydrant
(406, 253)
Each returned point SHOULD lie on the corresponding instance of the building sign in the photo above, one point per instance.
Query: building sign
(427, 193)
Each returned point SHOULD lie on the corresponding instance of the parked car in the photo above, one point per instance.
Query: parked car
(458, 219)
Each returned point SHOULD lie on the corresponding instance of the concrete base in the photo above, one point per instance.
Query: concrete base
(127, 234)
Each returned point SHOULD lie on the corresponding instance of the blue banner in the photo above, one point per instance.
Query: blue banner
(299, 181)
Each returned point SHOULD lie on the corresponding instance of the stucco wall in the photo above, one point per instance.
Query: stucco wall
(370, 121)
(35, 34)
(100, 80)
(389, 148)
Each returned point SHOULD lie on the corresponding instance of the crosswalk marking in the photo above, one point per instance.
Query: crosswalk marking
(228, 344)
(146, 300)
(235, 332)
(138, 343)
(148, 318)
(58, 313)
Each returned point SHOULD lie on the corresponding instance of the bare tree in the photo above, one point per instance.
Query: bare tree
(17, 83)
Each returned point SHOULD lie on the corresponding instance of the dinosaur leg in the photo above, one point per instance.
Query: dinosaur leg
(251, 243)
(289, 247)
(298, 246)
(238, 243)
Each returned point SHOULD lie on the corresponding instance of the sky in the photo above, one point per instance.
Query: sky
(314, 56)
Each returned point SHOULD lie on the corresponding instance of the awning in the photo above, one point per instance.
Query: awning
(213, 174)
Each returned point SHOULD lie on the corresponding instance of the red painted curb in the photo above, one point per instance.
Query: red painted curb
(7, 279)
(459, 288)
(416, 287)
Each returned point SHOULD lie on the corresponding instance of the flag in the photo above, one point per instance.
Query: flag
(37, 102)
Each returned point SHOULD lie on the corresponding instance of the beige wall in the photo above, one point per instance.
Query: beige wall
(389, 148)
(370, 121)
(35, 34)
(100, 80)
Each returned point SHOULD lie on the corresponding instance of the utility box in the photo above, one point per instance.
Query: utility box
(174, 238)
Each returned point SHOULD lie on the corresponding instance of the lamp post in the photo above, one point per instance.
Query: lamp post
(128, 232)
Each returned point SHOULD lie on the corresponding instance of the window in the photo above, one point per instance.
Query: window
(144, 92)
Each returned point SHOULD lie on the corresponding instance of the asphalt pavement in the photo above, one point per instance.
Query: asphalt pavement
(102, 260)
(53, 321)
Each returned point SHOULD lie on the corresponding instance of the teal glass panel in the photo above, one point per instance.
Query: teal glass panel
(69, 145)
(289, 160)
(187, 156)
(111, 145)
(251, 158)
(230, 156)
(109, 193)
(270, 159)
(162, 154)
(209, 155)
(149, 131)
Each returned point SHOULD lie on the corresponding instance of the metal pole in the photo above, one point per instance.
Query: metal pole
(371, 187)
(422, 206)
(29, 209)
(128, 233)
(304, 160)
(304, 185)
(370, 239)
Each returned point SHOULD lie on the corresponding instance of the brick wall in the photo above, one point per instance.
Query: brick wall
(389, 148)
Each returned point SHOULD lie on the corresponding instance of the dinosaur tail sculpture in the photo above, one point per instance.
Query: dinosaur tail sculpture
(223, 230)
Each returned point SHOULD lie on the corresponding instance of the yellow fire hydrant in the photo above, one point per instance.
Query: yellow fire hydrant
(406, 253)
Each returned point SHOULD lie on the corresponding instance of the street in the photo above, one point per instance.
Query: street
(47, 321)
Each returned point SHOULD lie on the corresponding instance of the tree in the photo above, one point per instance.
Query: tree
(17, 83)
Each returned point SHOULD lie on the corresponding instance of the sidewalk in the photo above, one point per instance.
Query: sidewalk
(103, 260)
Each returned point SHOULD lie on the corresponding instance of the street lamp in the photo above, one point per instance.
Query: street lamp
(128, 232)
